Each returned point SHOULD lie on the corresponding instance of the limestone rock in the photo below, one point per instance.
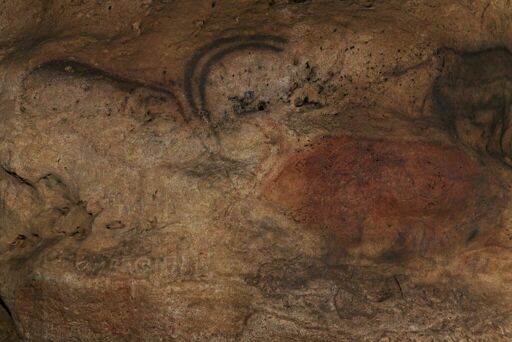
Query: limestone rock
(255, 170)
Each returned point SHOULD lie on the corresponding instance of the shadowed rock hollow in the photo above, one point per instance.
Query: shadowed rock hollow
(255, 170)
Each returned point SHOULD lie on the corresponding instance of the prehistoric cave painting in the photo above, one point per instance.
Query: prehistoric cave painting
(200, 64)
(387, 198)
(85, 70)
(473, 96)
(153, 98)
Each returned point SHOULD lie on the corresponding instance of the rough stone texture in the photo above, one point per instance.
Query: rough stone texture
(255, 170)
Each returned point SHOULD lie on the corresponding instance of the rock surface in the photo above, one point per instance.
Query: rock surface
(255, 170)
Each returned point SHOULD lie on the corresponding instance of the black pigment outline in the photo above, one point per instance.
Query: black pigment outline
(91, 72)
(203, 78)
(227, 46)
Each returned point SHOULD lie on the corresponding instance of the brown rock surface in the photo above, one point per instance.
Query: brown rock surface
(255, 170)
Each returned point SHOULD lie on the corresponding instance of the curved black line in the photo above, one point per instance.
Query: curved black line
(203, 78)
(5, 307)
(191, 65)
(87, 71)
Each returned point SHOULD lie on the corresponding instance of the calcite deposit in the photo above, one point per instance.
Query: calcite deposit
(249, 170)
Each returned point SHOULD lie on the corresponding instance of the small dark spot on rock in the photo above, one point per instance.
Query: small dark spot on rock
(473, 234)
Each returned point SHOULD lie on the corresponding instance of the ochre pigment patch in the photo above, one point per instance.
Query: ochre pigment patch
(384, 197)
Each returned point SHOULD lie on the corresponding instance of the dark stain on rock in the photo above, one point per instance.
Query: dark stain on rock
(472, 97)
